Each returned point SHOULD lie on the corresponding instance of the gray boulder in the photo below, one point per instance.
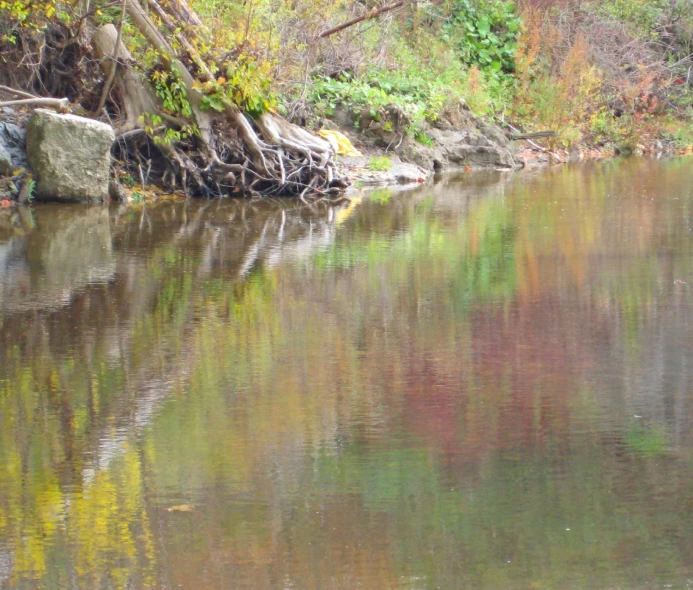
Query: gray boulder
(5, 161)
(12, 143)
(460, 148)
(458, 138)
(70, 156)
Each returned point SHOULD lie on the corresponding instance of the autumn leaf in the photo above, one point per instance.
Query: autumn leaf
(180, 508)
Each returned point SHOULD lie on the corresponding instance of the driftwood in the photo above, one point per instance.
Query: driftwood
(59, 104)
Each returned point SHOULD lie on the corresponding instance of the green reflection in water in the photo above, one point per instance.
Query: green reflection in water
(481, 384)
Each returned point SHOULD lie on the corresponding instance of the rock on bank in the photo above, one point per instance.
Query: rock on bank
(69, 155)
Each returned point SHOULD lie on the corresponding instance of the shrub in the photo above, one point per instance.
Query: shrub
(484, 32)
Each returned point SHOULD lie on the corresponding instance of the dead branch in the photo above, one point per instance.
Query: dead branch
(59, 104)
(371, 14)
(16, 92)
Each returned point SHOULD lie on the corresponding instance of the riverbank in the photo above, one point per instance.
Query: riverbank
(472, 146)
(233, 104)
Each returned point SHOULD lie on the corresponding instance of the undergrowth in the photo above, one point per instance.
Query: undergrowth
(607, 73)
(593, 71)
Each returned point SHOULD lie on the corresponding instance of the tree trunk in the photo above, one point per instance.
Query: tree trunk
(137, 99)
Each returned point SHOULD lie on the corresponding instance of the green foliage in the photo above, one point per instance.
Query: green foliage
(153, 125)
(249, 86)
(381, 164)
(683, 137)
(424, 139)
(487, 94)
(484, 33)
(137, 198)
(26, 14)
(170, 88)
(174, 135)
(431, 72)
(644, 16)
(107, 14)
(416, 93)
(31, 187)
(607, 128)
(366, 92)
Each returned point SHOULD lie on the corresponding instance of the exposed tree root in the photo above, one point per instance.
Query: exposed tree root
(231, 153)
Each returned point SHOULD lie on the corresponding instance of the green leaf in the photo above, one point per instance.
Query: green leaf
(483, 26)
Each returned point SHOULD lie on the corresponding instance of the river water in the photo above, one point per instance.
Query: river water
(483, 383)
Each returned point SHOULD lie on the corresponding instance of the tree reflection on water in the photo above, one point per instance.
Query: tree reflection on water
(483, 383)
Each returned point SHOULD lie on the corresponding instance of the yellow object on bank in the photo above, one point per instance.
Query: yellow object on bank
(340, 143)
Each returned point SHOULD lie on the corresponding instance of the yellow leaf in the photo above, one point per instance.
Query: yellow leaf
(181, 508)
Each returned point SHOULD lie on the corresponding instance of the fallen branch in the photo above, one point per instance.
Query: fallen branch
(537, 135)
(16, 92)
(370, 15)
(59, 104)
(529, 141)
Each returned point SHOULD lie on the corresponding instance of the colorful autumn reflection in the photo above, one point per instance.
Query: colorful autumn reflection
(482, 384)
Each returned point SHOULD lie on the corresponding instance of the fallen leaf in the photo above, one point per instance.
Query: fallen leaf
(181, 508)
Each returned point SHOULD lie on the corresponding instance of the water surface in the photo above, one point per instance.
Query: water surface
(484, 383)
